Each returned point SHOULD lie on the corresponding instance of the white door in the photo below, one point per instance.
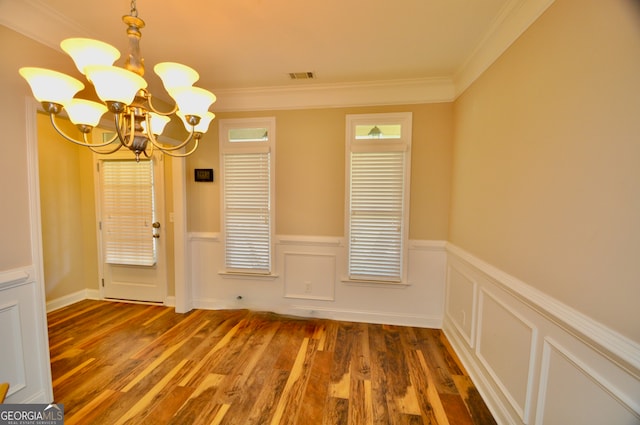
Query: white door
(130, 206)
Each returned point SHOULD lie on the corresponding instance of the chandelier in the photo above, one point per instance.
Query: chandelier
(124, 93)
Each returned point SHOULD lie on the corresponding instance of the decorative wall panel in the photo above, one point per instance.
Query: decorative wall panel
(12, 367)
(460, 308)
(574, 394)
(309, 276)
(535, 360)
(24, 350)
(505, 346)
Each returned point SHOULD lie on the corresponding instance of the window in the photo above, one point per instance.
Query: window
(128, 212)
(378, 175)
(247, 157)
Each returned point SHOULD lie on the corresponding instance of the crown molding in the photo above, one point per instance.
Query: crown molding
(38, 21)
(394, 92)
(511, 23)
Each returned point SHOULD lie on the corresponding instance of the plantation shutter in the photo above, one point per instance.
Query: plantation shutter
(376, 215)
(247, 212)
(128, 212)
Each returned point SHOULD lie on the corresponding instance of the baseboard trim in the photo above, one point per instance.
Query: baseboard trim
(67, 300)
(367, 317)
(434, 322)
(88, 294)
(484, 387)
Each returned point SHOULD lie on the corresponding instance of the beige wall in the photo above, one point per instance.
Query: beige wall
(15, 248)
(18, 51)
(310, 171)
(67, 211)
(546, 167)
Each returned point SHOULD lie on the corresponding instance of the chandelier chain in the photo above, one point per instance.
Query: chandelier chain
(134, 10)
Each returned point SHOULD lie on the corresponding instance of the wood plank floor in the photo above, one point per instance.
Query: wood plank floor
(118, 363)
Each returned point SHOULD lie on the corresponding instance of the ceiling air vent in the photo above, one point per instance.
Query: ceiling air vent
(302, 75)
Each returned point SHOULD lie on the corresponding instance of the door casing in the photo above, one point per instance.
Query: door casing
(133, 283)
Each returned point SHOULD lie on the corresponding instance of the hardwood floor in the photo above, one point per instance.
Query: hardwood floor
(117, 363)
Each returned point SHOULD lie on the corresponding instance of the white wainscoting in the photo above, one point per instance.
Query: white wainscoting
(24, 354)
(535, 360)
(308, 280)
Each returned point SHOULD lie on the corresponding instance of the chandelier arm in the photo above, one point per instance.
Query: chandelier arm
(182, 155)
(155, 142)
(113, 139)
(123, 140)
(132, 130)
(150, 154)
(71, 139)
(106, 152)
(172, 148)
(153, 109)
(106, 143)
(117, 120)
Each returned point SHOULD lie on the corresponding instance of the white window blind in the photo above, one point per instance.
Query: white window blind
(128, 212)
(376, 215)
(247, 211)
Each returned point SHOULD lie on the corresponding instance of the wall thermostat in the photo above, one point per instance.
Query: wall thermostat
(204, 174)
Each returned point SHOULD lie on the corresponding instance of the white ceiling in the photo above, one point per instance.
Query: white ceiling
(361, 51)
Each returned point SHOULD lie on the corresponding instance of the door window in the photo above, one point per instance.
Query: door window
(128, 212)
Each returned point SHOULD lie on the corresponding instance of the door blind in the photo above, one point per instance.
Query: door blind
(128, 212)
(376, 215)
(247, 212)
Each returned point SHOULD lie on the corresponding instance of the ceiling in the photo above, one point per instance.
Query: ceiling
(360, 51)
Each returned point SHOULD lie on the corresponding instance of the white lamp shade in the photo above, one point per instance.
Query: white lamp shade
(193, 100)
(175, 75)
(202, 126)
(115, 84)
(158, 123)
(86, 51)
(51, 86)
(85, 112)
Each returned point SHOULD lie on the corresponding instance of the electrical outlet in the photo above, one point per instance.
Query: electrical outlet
(307, 287)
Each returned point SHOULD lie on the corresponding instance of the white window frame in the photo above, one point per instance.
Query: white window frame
(379, 145)
(227, 147)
